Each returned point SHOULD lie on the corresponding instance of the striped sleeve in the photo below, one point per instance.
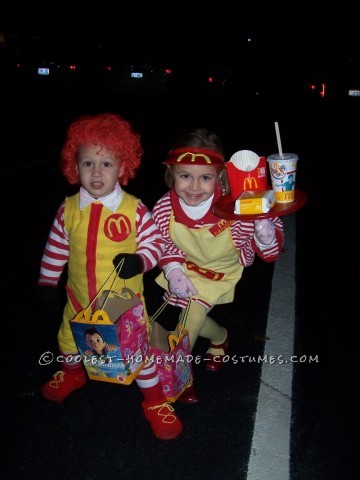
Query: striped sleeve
(56, 252)
(150, 241)
(242, 232)
(272, 253)
(161, 214)
(243, 236)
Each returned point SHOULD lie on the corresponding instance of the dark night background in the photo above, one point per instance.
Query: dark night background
(307, 35)
(291, 45)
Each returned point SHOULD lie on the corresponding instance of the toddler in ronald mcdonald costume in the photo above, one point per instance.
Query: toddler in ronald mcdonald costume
(101, 154)
(204, 256)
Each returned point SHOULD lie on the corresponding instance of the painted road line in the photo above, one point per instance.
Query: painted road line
(270, 450)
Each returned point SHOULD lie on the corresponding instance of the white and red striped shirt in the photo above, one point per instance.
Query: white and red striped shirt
(242, 233)
(150, 243)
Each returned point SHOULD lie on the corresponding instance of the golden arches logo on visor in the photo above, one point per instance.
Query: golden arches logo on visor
(193, 157)
(248, 183)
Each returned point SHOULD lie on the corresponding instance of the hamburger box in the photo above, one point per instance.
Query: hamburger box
(254, 201)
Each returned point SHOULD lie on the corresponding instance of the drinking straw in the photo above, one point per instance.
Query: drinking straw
(278, 139)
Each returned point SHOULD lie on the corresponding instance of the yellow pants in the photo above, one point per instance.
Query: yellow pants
(198, 323)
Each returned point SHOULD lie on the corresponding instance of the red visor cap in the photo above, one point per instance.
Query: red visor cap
(195, 156)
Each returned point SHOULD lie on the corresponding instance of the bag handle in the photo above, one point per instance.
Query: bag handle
(114, 272)
(181, 327)
(173, 338)
(152, 318)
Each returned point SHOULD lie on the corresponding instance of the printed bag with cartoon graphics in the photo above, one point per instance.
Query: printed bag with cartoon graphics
(113, 340)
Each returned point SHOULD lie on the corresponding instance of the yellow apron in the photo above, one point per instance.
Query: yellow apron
(212, 261)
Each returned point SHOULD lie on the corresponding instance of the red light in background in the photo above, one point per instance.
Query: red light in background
(320, 89)
(72, 67)
(323, 90)
(109, 68)
(210, 79)
(168, 71)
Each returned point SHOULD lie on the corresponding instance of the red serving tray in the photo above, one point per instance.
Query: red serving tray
(224, 208)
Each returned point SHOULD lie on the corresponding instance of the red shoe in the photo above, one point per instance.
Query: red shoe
(189, 395)
(216, 362)
(62, 384)
(163, 420)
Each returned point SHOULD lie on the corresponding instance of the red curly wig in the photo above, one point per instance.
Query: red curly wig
(110, 131)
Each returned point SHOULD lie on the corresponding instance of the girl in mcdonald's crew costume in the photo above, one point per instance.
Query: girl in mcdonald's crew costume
(205, 256)
(93, 231)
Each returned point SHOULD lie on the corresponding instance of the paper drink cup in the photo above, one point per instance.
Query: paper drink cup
(283, 175)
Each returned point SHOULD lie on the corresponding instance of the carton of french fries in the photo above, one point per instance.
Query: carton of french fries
(246, 171)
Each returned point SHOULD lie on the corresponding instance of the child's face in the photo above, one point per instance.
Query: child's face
(194, 183)
(98, 170)
(95, 342)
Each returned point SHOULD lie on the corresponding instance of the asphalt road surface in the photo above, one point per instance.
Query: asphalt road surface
(254, 420)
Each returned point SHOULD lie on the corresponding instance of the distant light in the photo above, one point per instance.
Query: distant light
(72, 67)
(210, 79)
(354, 93)
(43, 71)
(109, 68)
(323, 90)
(168, 71)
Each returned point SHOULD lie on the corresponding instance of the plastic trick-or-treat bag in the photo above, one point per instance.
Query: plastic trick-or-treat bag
(111, 336)
(172, 354)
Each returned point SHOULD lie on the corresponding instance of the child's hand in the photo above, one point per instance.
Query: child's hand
(264, 231)
(179, 284)
(132, 265)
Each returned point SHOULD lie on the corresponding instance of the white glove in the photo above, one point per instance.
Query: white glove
(179, 284)
(264, 231)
